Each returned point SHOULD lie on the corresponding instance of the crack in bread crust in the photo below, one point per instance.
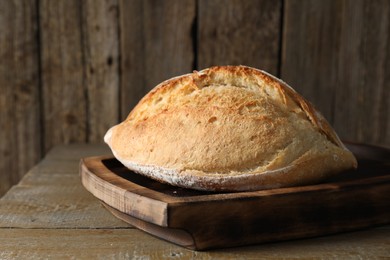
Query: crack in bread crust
(223, 122)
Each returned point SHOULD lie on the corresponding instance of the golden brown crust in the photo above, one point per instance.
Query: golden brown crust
(228, 128)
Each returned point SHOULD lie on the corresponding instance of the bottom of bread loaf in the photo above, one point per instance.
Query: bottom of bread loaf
(288, 176)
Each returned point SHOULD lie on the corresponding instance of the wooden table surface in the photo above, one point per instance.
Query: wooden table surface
(49, 214)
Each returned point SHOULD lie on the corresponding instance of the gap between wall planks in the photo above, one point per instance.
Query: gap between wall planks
(71, 69)
(63, 84)
(239, 33)
(100, 30)
(156, 44)
(20, 130)
(337, 54)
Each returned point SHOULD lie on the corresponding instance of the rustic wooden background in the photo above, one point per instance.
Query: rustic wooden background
(70, 69)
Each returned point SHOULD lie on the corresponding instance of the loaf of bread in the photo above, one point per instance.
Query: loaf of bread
(228, 128)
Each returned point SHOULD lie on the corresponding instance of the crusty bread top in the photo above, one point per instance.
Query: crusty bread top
(228, 121)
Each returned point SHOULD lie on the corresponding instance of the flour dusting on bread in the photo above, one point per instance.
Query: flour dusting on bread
(228, 128)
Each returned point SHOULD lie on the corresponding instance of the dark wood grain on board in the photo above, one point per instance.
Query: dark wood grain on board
(351, 201)
(101, 53)
(63, 85)
(337, 54)
(239, 33)
(20, 133)
(156, 44)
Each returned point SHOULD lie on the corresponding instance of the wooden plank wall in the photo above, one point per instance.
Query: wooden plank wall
(70, 69)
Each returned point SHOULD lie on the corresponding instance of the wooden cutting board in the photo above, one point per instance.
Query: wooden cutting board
(203, 220)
